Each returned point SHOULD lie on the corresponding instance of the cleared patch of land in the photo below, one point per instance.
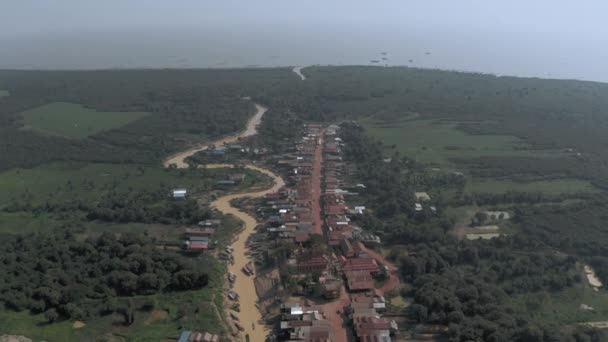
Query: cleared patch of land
(436, 142)
(4, 93)
(564, 306)
(74, 121)
(549, 187)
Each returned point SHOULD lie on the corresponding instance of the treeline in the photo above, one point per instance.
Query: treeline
(64, 277)
(577, 229)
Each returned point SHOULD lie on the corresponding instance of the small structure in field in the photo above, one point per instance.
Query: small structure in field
(422, 196)
(483, 236)
(179, 194)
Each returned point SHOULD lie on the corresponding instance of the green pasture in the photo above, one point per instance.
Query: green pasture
(564, 306)
(436, 142)
(72, 120)
(548, 187)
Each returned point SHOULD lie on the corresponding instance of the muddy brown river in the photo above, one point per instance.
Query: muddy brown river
(244, 285)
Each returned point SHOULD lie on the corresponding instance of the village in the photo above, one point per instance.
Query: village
(315, 271)
(316, 279)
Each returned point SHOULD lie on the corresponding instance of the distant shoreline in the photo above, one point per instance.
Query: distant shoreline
(290, 69)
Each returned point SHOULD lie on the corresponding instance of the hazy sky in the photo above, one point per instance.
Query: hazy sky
(18, 17)
(525, 37)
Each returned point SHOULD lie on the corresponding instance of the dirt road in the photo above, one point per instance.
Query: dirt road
(316, 186)
(251, 129)
(298, 71)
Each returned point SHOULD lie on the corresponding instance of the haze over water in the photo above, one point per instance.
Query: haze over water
(552, 39)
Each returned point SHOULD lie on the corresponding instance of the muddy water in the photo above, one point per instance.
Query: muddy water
(244, 285)
(251, 129)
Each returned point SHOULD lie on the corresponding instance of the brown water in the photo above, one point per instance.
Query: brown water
(244, 285)
(251, 129)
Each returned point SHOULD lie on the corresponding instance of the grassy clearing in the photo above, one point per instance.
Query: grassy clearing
(564, 306)
(548, 187)
(4, 93)
(75, 121)
(22, 222)
(436, 142)
(193, 310)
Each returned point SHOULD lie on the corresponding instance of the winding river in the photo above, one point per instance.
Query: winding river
(244, 285)
(251, 129)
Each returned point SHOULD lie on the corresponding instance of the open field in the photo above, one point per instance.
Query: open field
(4, 93)
(436, 142)
(72, 120)
(564, 306)
(194, 309)
(24, 222)
(548, 187)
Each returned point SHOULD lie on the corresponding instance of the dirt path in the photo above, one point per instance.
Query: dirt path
(244, 286)
(298, 71)
(251, 129)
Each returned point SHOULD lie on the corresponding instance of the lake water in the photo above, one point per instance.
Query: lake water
(533, 55)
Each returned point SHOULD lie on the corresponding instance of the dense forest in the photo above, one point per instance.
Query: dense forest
(64, 277)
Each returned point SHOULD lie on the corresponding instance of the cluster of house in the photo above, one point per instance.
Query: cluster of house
(219, 151)
(303, 323)
(292, 217)
(350, 267)
(364, 311)
(194, 336)
(199, 239)
(232, 179)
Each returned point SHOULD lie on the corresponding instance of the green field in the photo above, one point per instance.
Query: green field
(4, 93)
(548, 187)
(72, 120)
(191, 310)
(24, 222)
(436, 141)
(564, 306)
